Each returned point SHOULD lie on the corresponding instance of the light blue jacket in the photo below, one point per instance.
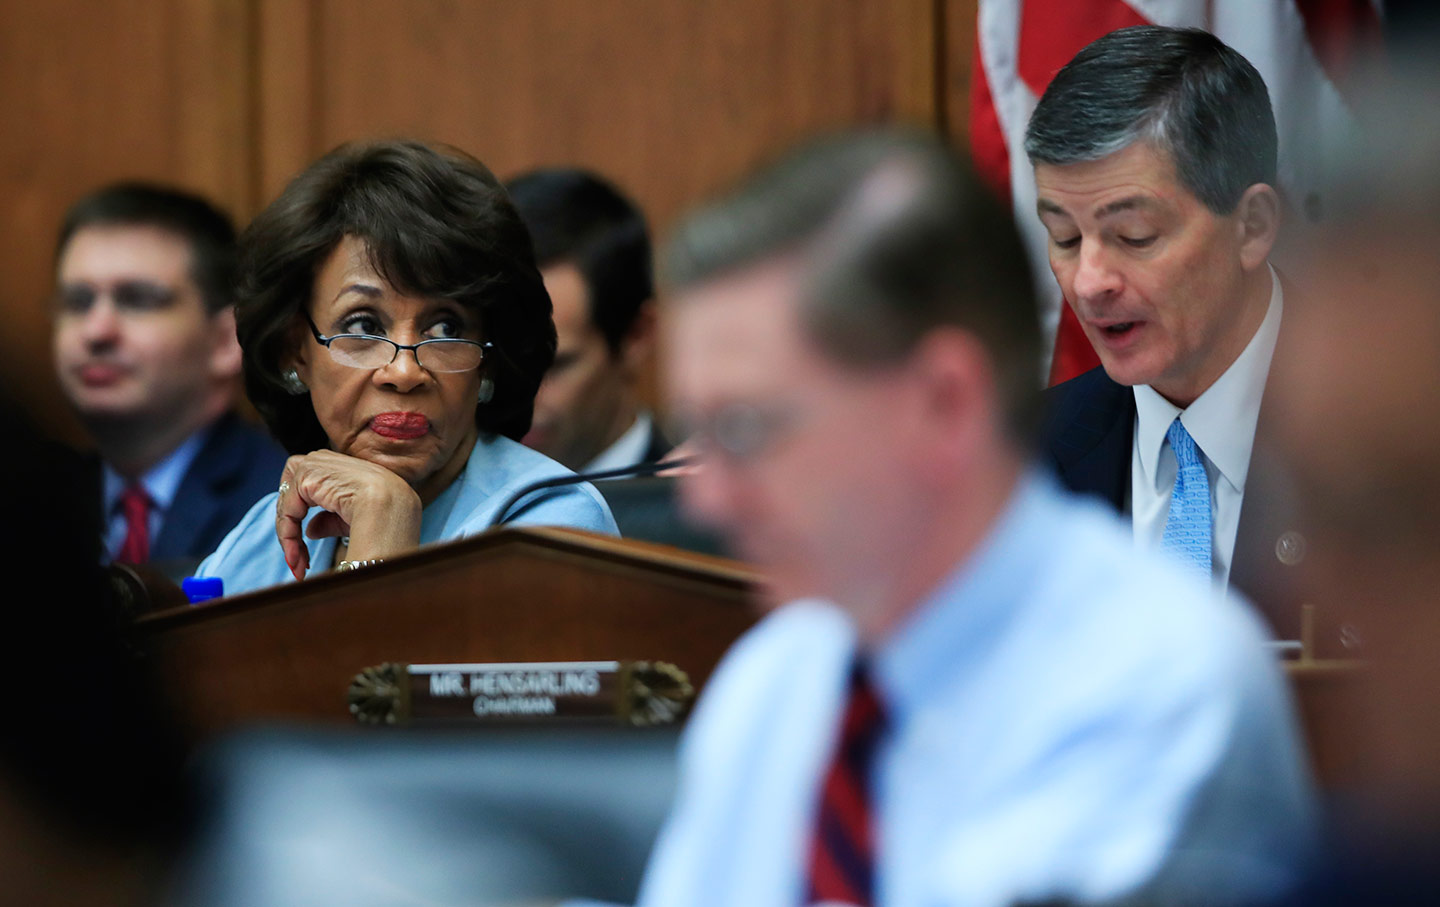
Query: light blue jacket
(250, 557)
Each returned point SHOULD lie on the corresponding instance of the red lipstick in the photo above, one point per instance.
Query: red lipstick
(400, 426)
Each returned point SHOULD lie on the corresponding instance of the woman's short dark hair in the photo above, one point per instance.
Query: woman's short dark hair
(436, 224)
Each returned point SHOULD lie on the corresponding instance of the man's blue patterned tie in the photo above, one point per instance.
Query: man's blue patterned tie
(1187, 529)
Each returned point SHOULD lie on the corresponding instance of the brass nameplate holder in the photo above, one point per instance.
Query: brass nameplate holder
(637, 693)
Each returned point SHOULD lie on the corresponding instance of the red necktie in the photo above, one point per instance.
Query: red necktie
(842, 856)
(135, 504)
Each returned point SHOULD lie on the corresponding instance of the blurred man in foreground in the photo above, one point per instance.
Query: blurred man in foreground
(594, 253)
(145, 350)
(1004, 702)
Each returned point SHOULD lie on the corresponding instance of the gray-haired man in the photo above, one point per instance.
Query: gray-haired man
(1155, 157)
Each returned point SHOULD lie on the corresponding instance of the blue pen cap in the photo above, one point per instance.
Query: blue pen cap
(202, 588)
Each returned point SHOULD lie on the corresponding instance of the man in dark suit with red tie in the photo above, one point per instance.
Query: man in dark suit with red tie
(1155, 159)
(145, 349)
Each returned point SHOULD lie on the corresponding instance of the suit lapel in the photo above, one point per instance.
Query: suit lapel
(1091, 448)
(1268, 541)
(198, 501)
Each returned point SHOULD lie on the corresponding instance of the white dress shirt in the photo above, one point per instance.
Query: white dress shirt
(1222, 422)
(627, 450)
(160, 483)
(1051, 733)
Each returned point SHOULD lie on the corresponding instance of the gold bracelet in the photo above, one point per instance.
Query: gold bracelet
(356, 565)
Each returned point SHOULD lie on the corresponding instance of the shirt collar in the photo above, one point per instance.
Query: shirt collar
(960, 619)
(162, 480)
(1222, 419)
(627, 450)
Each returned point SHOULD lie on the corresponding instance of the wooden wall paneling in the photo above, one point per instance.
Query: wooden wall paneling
(284, 135)
(213, 69)
(93, 92)
(672, 100)
(955, 68)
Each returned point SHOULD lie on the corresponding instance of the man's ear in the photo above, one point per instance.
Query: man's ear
(1258, 216)
(957, 380)
(225, 349)
(639, 342)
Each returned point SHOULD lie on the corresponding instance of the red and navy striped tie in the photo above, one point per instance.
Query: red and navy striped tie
(842, 856)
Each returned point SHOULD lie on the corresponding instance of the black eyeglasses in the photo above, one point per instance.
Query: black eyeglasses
(442, 354)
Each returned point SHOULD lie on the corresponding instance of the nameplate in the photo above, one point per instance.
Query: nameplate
(637, 693)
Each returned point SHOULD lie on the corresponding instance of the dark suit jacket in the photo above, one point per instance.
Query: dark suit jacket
(647, 508)
(1086, 437)
(237, 465)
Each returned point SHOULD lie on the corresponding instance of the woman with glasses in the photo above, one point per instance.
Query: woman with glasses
(394, 330)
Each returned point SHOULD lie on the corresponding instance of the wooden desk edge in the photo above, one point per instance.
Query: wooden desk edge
(661, 558)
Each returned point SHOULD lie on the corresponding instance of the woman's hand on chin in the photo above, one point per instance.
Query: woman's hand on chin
(374, 506)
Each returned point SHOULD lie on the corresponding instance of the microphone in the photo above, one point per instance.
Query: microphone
(575, 478)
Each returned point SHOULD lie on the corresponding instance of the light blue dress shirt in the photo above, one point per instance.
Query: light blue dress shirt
(1069, 718)
(250, 557)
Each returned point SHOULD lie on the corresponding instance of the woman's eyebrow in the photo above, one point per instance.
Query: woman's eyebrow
(364, 289)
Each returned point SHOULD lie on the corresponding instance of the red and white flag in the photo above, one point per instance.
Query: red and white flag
(1304, 49)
